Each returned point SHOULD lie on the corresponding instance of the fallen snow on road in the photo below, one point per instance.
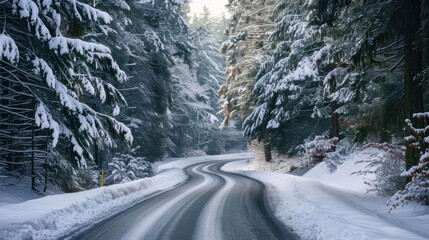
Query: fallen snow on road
(185, 162)
(324, 205)
(52, 217)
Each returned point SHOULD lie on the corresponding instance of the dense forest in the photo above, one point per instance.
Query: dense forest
(117, 84)
(85, 84)
(308, 77)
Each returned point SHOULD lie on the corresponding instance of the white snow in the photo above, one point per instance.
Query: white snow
(210, 216)
(16, 190)
(343, 176)
(43, 119)
(52, 217)
(185, 162)
(321, 205)
(148, 223)
(8, 49)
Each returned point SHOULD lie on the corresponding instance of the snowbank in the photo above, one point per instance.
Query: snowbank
(55, 216)
(343, 176)
(322, 205)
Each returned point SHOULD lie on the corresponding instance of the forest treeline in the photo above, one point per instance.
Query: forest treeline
(112, 84)
(297, 69)
(306, 76)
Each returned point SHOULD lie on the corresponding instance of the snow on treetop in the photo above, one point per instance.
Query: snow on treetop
(27, 8)
(64, 45)
(8, 49)
(43, 119)
(421, 115)
(92, 14)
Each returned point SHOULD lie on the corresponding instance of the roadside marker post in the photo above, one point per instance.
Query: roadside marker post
(102, 177)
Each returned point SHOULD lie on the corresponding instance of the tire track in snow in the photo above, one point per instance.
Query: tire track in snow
(212, 205)
(152, 225)
(209, 225)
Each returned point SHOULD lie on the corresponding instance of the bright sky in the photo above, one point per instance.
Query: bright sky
(216, 7)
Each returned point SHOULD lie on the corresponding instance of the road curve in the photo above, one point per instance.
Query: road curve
(212, 204)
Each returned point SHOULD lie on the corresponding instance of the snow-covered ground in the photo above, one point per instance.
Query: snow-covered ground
(54, 216)
(14, 190)
(185, 162)
(318, 205)
(324, 205)
(28, 215)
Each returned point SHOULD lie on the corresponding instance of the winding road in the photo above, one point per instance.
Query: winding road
(212, 204)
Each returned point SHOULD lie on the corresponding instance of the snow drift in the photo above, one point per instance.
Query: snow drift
(56, 216)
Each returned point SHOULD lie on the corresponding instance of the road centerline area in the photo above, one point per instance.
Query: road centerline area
(212, 204)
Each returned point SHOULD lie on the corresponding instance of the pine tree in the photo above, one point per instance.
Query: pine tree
(194, 105)
(51, 67)
(155, 33)
(289, 87)
(367, 71)
(418, 188)
(245, 51)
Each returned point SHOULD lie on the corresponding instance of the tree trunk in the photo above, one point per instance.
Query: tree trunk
(424, 16)
(413, 65)
(335, 129)
(267, 148)
(33, 173)
(96, 158)
(5, 140)
(46, 165)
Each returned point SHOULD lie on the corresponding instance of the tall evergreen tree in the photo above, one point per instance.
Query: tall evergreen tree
(245, 51)
(46, 62)
(289, 86)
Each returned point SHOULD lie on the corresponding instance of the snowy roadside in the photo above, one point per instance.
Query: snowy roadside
(54, 216)
(185, 162)
(13, 190)
(324, 205)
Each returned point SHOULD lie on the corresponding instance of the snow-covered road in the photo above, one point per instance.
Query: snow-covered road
(212, 205)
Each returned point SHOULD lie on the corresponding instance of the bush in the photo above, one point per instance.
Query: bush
(417, 189)
(214, 148)
(336, 158)
(125, 168)
(318, 149)
(87, 178)
(387, 167)
(361, 134)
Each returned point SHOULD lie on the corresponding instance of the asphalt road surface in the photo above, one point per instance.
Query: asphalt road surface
(212, 204)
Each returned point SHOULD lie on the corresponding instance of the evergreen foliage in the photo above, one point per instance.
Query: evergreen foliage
(417, 189)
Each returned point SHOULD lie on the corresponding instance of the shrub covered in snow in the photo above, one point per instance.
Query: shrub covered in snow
(318, 149)
(418, 189)
(386, 165)
(195, 153)
(125, 168)
(69, 178)
(342, 150)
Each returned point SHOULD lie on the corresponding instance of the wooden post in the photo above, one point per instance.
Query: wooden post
(102, 177)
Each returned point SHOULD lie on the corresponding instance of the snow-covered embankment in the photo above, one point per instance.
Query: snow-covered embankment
(325, 205)
(55, 216)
